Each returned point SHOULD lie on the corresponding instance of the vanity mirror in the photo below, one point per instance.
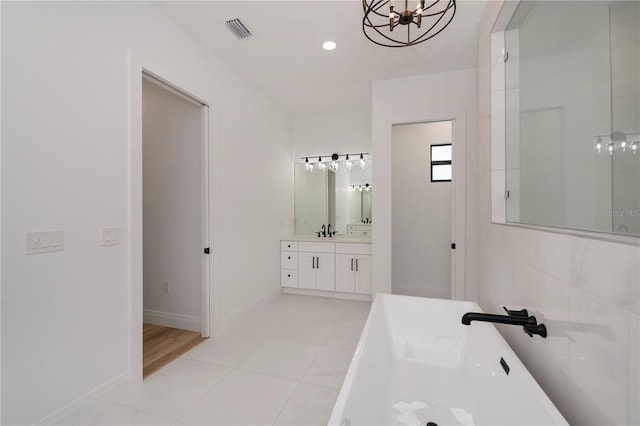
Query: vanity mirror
(341, 197)
(568, 75)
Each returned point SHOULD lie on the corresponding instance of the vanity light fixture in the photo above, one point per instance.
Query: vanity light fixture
(617, 142)
(420, 24)
(334, 162)
(366, 187)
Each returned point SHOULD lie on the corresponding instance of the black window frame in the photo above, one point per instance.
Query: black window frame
(440, 163)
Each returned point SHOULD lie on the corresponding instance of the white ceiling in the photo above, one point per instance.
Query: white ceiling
(284, 58)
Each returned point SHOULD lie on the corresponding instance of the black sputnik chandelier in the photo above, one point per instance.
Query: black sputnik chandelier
(386, 25)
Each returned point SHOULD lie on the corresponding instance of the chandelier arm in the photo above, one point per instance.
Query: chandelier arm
(375, 27)
(373, 8)
(449, 6)
(430, 6)
(398, 44)
(421, 39)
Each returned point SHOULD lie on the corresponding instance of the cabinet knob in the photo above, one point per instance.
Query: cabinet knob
(289, 245)
(288, 257)
(289, 275)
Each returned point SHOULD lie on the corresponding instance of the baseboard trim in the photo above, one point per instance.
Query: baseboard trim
(167, 319)
(90, 396)
(330, 294)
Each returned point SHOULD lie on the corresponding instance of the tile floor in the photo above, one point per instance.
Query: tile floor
(282, 364)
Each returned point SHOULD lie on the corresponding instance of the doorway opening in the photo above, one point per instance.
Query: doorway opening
(174, 223)
(423, 209)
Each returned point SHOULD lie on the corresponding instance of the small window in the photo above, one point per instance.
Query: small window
(441, 163)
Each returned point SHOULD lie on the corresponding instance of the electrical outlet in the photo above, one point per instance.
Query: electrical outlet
(165, 286)
(44, 241)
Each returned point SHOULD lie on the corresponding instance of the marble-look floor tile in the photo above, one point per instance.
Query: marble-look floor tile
(309, 405)
(173, 389)
(227, 350)
(116, 414)
(242, 398)
(282, 358)
(330, 367)
(345, 335)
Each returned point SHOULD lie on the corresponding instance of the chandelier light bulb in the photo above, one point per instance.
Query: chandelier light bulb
(361, 161)
(347, 163)
(610, 148)
(623, 145)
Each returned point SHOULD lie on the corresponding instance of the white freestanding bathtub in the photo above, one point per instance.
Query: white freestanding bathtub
(417, 363)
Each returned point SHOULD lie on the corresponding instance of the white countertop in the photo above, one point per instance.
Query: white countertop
(334, 239)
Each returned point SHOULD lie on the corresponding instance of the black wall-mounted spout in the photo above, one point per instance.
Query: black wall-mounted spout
(528, 322)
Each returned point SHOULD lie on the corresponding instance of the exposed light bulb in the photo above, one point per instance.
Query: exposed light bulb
(360, 188)
(634, 146)
(353, 188)
(347, 163)
(599, 144)
(307, 165)
(610, 148)
(334, 165)
(367, 187)
(361, 161)
(623, 145)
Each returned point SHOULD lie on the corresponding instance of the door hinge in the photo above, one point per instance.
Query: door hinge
(453, 246)
(206, 250)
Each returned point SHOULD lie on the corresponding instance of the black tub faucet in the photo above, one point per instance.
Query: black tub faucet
(522, 317)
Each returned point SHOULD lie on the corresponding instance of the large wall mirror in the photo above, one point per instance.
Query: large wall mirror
(342, 198)
(572, 102)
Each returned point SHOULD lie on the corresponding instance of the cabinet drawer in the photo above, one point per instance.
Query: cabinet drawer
(288, 278)
(289, 245)
(317, 247)
(289, 260)
(351, 248)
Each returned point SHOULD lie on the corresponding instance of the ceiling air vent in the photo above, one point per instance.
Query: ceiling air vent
(237, 27)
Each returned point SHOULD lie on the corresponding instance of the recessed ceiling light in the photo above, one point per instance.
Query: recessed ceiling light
(329, 45)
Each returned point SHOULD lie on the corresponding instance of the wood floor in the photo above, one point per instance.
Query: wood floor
(161, 345)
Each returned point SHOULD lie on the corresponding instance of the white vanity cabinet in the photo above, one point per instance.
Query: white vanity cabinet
(353, 268)
(326, 268)
(316, 265)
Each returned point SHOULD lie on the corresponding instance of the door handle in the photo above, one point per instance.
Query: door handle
(313, 262)
(318, 262)
(356, 265)
(352, 263)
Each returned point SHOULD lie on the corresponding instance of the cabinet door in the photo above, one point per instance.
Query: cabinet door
(345, 268)
(306, 270)
(363, 274)
(325, 270)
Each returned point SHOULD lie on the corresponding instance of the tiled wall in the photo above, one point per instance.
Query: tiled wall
(585, 290)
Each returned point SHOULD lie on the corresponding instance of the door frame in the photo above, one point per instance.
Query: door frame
(458, 220)
(182, 81)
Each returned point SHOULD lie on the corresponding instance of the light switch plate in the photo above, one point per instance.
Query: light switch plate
(37, 242)
(110, 236)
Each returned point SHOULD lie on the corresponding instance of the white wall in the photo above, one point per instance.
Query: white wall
(399, 101)
(343, 133)
(585, 290)
(421, 213)
(172, 176)
(65, 316)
